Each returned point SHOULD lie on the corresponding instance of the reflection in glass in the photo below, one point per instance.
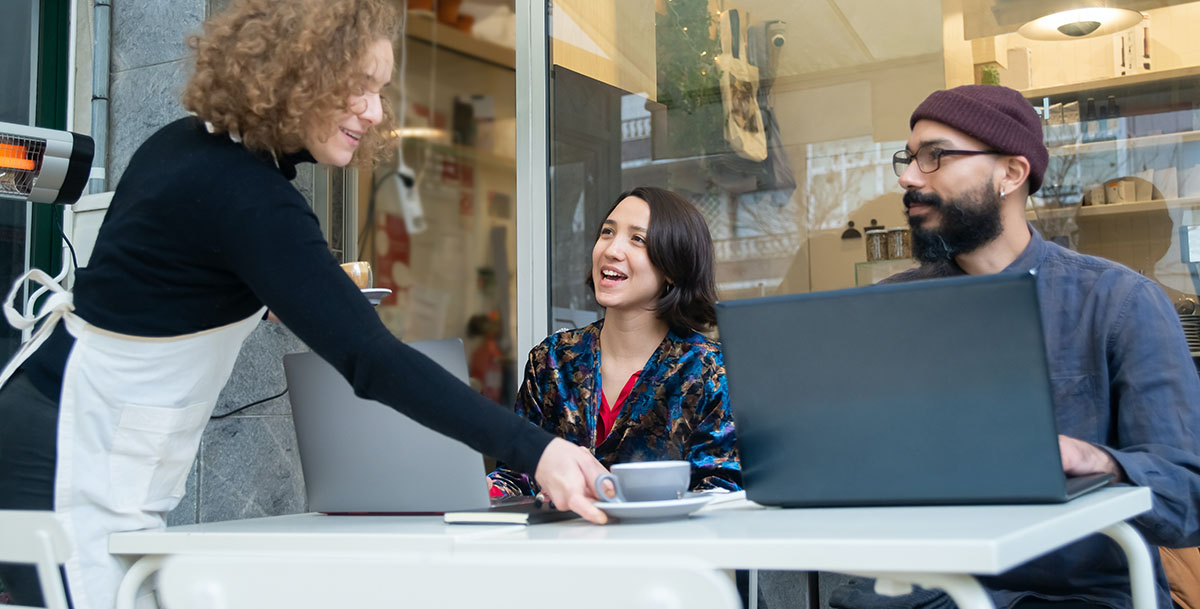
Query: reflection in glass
(778, 120)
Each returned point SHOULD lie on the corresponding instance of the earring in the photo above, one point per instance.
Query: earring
(1001, 193)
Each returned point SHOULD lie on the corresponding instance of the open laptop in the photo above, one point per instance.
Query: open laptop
(930, 392)
(360, 456)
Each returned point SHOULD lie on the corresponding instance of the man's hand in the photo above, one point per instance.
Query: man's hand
(1081, 458)
(565, 473)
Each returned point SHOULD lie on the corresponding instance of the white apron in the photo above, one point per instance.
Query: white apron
(130, 418)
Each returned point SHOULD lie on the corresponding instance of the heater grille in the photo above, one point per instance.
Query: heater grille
(20, 163)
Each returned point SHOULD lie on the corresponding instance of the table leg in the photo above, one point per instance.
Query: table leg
(137, 574)
(1141, 569)
(965, 590)
(753, 577)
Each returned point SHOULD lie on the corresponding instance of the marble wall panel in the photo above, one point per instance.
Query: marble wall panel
(249, 469)
(142, 101)
(151, 32)
(258, 372)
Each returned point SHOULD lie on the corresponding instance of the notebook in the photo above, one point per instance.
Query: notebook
(930, 392)
(522, 511)
(359, 456)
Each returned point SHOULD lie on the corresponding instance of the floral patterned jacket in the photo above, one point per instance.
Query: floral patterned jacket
(678, 409)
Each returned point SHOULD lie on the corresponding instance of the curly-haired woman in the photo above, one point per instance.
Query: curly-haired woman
(102, 422)
(642, 384)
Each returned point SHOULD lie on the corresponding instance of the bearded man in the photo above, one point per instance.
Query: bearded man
(1126, 392)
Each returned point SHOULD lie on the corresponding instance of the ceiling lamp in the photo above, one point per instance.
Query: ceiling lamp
(1079, 23)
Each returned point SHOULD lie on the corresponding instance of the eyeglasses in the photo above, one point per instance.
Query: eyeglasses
(929, 158)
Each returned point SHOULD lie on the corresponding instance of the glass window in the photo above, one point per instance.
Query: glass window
(17, 80)
(439, 223)
(778, 119)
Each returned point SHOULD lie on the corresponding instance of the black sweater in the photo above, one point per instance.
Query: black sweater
(202, 232)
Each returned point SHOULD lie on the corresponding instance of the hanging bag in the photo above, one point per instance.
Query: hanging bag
(739, 93)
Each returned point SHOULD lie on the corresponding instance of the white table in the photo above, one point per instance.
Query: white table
(937, 547)
(315, 533)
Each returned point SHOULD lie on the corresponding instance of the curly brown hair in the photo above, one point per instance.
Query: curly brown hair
(265, 68)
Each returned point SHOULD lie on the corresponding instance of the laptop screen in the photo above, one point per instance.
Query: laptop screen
(360, 456)
(931, 392)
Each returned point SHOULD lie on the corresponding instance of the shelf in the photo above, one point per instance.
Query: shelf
(1145, 141)
(425, 28)
(1112, 83)
(870, 273)
(1113, 209)
(480, 156)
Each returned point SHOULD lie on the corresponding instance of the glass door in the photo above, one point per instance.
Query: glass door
(18, 78)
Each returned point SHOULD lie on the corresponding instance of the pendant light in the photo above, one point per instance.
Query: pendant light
(1083, 22)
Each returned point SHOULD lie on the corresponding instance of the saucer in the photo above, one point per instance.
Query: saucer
(655, 510)
(376, 295)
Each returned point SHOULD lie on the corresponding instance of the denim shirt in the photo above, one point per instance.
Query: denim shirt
(1123, 379)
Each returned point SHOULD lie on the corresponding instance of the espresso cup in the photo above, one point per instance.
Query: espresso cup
(646, 481)
(360, 273)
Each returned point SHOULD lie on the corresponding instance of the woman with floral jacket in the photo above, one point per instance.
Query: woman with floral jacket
(642, 384)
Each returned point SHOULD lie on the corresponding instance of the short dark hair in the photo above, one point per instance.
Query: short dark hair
(680, 246)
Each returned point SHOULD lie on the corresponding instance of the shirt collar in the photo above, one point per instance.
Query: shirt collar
(1033, 254)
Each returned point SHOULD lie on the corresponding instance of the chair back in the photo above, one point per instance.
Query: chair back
(495, 581)
(36, 538)
(1182, 566)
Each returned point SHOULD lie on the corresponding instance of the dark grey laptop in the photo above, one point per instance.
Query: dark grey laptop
(930, 392)
(359, 456)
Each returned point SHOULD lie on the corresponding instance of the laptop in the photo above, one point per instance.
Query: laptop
(359, 456)
(921, 393)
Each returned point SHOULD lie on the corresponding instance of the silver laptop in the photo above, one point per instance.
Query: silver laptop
(362, 457)
(930, 392)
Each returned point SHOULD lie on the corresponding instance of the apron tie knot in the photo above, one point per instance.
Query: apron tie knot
(52, 309)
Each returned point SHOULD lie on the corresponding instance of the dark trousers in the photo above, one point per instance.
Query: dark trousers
(28, 437)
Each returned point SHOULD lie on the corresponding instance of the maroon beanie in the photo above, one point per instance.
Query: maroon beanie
(997, 116)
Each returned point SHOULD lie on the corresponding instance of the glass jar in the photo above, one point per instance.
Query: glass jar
(877, 245)
(899, 243)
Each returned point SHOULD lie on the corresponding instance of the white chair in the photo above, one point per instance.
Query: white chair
(36, 538)
(489, 581)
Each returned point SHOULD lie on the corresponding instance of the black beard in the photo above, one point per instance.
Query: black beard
(966, 223)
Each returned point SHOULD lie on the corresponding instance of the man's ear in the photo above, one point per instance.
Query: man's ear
(1016, 172)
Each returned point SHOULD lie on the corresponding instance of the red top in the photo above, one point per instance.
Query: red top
(608, 414)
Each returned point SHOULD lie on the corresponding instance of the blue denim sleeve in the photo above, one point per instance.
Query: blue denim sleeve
(1156, 400)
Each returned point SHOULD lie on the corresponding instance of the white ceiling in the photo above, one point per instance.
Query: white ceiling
(827, 35)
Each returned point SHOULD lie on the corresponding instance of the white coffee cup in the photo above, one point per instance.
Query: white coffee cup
(646, 481)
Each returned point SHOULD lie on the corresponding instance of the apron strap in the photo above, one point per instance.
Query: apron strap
(58, 304)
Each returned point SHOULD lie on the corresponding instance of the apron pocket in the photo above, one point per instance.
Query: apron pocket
(152, 452)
